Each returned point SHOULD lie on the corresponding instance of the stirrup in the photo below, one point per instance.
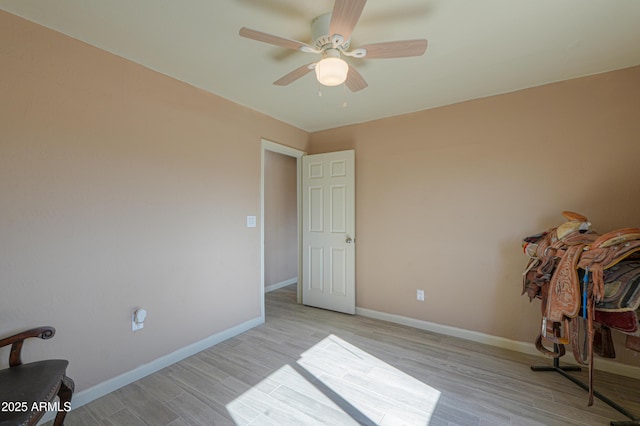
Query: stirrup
(546, 352)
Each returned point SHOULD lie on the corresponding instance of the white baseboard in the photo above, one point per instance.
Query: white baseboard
(501, 342)
(281, 284)
(87, 395)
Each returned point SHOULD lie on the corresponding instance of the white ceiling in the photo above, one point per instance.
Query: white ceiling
(476, 48)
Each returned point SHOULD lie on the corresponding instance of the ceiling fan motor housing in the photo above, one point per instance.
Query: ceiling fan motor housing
(320, 33)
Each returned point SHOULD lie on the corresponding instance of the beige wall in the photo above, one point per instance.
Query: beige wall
(444, 196)
(281, 219)
(121, 187)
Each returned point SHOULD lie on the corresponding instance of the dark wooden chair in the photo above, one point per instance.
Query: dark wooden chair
(27, 391)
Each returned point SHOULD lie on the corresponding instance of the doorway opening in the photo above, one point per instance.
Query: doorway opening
(280, 213)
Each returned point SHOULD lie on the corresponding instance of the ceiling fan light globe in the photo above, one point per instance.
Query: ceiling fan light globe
(332, 71)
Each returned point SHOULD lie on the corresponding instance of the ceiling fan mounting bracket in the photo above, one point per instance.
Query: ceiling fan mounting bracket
(356, 53)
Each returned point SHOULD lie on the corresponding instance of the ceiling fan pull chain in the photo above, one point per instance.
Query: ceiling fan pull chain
(344, 96)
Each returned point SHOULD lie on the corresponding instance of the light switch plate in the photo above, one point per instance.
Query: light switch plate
(251, 221)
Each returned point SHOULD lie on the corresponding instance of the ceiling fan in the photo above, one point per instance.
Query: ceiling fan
(331, 38)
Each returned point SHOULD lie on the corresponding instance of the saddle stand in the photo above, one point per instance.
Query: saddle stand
(588, 284)
(634, 421)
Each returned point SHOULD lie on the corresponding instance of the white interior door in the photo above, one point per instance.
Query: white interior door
(328, 231)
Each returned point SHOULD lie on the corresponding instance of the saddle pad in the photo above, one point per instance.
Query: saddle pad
(626, 322)
(621, 287)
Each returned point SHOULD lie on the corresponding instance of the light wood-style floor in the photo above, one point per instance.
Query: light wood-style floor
(308, 366)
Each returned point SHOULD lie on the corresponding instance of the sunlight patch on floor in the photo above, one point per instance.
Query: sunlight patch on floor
(284, 398)
(335, 382)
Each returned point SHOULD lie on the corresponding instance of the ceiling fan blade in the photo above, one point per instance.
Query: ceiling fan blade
(345, 16)
(271, 39)
(294, 75)
(395, 49)
(355, 81)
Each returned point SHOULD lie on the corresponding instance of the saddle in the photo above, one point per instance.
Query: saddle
(588, 284)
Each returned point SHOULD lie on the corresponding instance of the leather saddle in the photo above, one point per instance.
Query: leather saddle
(585, 281)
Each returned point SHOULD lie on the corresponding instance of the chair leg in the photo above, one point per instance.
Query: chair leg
(65, 393)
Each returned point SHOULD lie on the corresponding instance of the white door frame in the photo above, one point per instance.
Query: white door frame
(267, 145)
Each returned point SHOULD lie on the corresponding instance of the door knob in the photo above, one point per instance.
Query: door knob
(349, 240)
